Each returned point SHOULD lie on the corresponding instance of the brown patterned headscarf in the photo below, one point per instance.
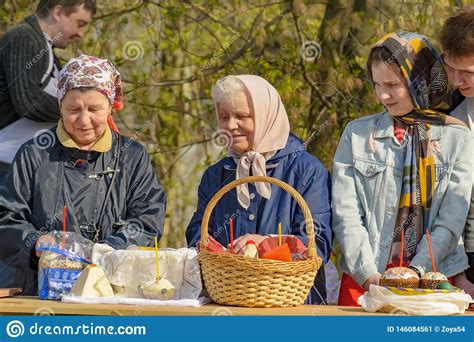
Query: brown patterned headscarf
(423, 71)
(92, 72)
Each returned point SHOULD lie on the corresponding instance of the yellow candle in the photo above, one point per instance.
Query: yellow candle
(156, 252)
(279, 234)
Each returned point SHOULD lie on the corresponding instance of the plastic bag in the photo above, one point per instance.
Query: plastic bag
(379, 298)
(128, 269)
(61, 263)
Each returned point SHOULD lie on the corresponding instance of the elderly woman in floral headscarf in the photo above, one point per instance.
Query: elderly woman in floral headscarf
(105, 180)
(253, 118)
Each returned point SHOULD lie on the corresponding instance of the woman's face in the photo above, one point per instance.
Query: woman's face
(391, 89)
(85, 115)
(236, 117)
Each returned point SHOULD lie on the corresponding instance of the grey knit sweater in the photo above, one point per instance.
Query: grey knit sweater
(24, 60)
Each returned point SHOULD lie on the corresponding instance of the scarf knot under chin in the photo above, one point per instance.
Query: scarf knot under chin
(256, 161)
(272, 129)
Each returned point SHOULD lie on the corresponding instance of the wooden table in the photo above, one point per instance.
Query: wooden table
(33, 306)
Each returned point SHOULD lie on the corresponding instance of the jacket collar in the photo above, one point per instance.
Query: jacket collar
(469, 113)
(384, 128)
(293, 145)
(33, 22)
(104, 143)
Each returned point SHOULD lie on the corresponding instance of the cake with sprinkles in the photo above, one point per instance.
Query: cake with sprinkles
(400, 277)
(431, 280)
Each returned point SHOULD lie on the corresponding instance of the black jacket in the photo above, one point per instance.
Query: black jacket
(24, 61)
(43, 178)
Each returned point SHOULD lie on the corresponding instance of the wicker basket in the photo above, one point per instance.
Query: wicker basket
(234, 279)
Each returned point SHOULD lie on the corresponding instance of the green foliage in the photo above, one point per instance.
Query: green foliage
(171, 52)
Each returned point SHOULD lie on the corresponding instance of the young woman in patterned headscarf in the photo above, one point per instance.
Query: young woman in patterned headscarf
(104, 179)
(406, 169)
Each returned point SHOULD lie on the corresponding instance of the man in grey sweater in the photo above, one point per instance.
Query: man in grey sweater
(457, 38)
(28, 78)
(29, 67)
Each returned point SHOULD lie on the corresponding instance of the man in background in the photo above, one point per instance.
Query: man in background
(28, 78)
(457, 38)
(29, 70)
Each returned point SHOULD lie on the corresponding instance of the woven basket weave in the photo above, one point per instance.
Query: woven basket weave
(236, 280)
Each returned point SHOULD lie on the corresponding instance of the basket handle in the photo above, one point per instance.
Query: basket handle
(252, 179)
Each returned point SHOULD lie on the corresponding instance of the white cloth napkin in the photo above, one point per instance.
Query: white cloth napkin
(135, 301)
(379, 298)
(132, 267)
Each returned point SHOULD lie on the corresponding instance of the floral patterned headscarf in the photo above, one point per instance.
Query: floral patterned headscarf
(92, 72)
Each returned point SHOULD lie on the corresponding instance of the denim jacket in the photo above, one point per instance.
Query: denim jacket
(367, 180)
(465, 112)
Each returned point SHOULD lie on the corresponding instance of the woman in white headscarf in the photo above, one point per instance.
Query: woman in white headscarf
(253, 120)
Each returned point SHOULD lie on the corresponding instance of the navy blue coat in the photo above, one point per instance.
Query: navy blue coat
(43, 179)
(293, 165)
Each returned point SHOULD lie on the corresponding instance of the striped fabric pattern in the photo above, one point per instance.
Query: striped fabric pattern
(427, 82)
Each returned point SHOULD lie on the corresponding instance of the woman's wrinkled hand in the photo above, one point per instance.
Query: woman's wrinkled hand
(241, 242)
(463, 283)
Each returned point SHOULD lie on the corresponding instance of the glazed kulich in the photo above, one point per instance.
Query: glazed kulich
(431, 280)
(400, 277)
